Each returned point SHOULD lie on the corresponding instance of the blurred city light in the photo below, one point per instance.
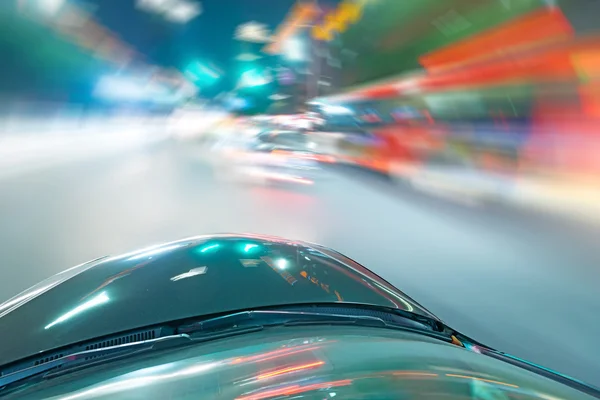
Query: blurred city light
(183, 11)
(158, 6)
(111, 87)
(118, 88)
(294, 49)
(253, 78)
(248, 57)
(202, 73)
(253, 32)
(336, 110)
(50, 7)
(277, 97)
(178, 11)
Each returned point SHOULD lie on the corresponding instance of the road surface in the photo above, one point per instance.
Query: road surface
(522, 284)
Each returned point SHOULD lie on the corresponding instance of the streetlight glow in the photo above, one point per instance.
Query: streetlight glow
(294, 49)
(336, 110)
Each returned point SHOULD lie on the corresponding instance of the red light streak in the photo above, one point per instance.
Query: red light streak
(289, 370)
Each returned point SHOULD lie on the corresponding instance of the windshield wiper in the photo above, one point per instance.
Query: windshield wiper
(237, 323)
(285, 318)
(93, 357)
(90, 358)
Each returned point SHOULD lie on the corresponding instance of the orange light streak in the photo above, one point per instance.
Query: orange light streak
(482, 380)
(414, 373)
(273, 355)
(289, 370)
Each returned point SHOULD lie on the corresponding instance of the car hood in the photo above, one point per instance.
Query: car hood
(188, 278)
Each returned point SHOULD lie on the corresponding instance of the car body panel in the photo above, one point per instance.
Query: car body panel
(193, 277)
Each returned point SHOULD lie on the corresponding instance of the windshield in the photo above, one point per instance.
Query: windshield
(432, 159)
(313, 363)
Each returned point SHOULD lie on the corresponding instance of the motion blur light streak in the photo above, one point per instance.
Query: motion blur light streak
(154, 5)
(286, 178)
(407, 305)
(183, 11)
(91, 303)
(178, 11)
(253, 78)
(275, 354)
(295, 389)
(253, 32)
(294, 49)
(136, 382)
(21, 298)
(50, 7)
(482, 379)
(154, 252)
(288, 370)
(336, 110)
(131, 89)
(415, 373)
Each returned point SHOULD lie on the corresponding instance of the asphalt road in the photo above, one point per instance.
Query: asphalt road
(524, 284)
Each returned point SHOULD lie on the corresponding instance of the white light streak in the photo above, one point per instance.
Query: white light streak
(93, 302)
(190, 273)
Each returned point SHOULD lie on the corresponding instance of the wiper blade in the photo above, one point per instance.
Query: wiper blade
(269, 318)
(240, 330)
(93, 357)
(205, 330)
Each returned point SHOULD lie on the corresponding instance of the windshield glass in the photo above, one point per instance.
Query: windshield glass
(312, 363)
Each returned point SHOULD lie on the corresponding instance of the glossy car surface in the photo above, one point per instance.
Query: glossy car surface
(187, 278)
(246, 317)
(309, 363)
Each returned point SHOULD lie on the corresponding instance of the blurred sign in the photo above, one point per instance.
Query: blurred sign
(337, 21)
(301, 14)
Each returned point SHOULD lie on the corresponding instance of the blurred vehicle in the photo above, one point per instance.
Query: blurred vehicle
(273, 157)
(246, 317)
